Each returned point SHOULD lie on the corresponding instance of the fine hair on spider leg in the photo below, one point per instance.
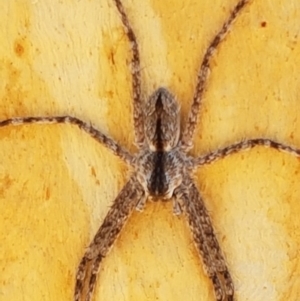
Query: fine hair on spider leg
(162, 167)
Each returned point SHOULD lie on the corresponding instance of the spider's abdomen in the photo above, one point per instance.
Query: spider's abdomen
(162, 122)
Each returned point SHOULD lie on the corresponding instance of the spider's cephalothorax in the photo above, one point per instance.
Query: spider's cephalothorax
(161, 168)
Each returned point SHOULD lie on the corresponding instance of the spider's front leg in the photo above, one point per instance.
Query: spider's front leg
(105, 237)
(205, 240)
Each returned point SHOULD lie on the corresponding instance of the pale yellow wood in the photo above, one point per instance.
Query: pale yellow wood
(56, 184)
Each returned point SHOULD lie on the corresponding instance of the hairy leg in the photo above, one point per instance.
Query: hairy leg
(104, 140)
(205, 239)
(136, 77)
(105, 237)
(203, 75)
(244, 145)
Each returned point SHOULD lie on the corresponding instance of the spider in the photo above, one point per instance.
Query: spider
(162, 167)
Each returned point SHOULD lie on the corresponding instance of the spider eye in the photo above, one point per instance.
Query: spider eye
(162, 124)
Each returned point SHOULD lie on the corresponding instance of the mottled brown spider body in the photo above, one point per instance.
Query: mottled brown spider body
(162, 121)
(160, 163)
(160, 173)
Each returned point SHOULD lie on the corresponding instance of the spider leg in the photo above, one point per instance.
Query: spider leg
(113, 146)
(136, 77)
(244, 145)
(205, 240)
(204, 73)
(105, 237)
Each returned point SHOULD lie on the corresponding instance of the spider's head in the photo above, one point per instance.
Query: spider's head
(160, 173)
(162, 121)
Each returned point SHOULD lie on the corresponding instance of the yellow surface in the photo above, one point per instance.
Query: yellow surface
(56, 184)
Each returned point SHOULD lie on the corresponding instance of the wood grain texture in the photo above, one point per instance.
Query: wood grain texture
(56, 184)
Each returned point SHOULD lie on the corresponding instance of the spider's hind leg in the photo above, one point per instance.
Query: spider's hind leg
(203, 74)
(136, 77)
